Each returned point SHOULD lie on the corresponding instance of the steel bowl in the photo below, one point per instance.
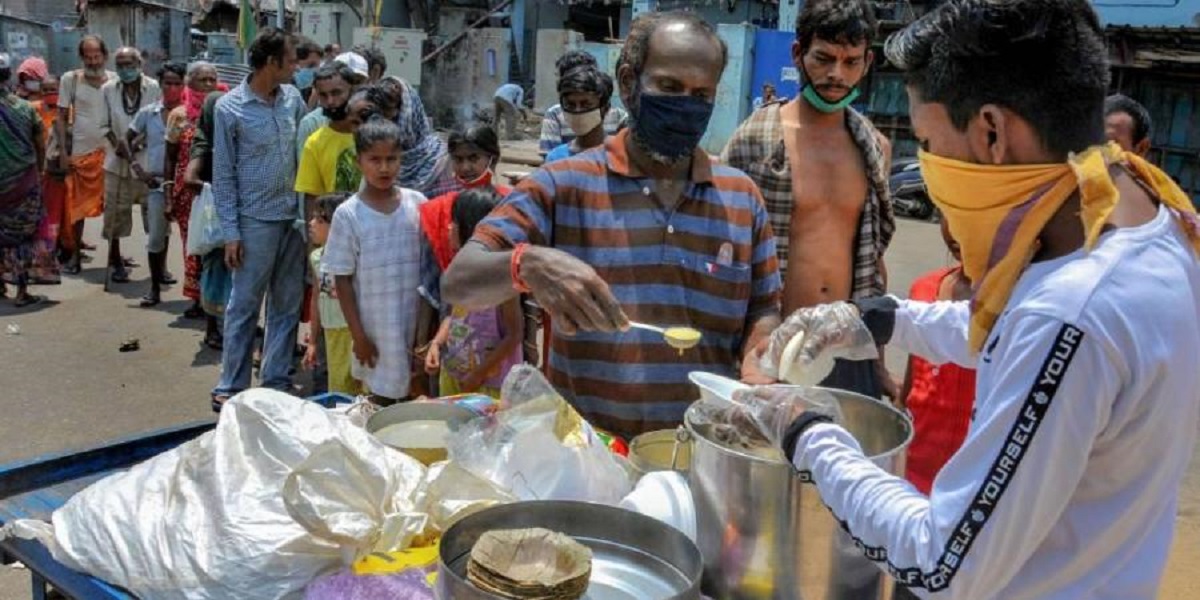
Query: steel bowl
(419, 411)
(634, 557)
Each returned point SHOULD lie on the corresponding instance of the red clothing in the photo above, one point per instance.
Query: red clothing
(941, 400)
(436, 218)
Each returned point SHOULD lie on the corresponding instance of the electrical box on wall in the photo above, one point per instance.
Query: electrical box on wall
(328, 23)
(401, 48)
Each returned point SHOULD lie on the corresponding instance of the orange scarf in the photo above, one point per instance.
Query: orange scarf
(996, 214)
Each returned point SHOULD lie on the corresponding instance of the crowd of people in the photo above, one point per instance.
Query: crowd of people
(336, 198)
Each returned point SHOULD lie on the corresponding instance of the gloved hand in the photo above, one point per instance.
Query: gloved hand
(783, 412)
(825, 332)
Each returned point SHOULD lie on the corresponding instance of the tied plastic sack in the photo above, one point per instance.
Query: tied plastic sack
(204, 226)
(281, 492)
(539, 448)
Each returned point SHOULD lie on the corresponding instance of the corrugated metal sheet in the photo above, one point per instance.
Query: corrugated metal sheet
(23, 38)
(161, 33)
(1174, 106)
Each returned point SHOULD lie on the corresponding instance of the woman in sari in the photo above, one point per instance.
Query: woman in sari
(22, 155)
(181, 130)
(215, 278)
(426, 163)
(41, 91)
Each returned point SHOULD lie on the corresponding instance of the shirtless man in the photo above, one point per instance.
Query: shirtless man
(822, 168)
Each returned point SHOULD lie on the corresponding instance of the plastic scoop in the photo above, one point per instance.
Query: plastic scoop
(679, 338)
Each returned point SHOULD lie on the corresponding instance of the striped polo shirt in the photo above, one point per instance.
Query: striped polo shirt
(708, 263)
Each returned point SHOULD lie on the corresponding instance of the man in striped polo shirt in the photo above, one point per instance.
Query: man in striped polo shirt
(645, 228)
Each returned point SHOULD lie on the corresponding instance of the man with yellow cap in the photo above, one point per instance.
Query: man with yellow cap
(1084, 327)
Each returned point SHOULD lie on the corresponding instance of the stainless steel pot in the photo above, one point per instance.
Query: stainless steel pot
(765, 534)
(634, 557)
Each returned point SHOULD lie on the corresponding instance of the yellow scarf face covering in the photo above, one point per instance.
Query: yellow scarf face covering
(997, 212)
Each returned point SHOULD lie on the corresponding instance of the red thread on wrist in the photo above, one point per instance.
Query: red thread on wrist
(515, 269)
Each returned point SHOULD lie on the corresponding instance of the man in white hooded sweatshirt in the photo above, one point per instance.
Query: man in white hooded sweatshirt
(1084, 327)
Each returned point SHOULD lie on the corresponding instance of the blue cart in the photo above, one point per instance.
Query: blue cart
(35, 488)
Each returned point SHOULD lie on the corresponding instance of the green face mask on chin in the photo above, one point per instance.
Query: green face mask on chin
(810, 94)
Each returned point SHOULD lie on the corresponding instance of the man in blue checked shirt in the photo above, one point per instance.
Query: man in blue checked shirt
(254, 169)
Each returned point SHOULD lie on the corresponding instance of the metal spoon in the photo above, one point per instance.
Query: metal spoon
(680, 338)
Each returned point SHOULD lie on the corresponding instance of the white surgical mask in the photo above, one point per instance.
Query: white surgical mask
(583, 123)
(33, 85)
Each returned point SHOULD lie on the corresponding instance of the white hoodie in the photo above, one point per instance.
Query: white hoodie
(1086, 413)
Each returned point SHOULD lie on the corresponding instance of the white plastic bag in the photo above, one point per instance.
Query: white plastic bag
(281, 492)
(204, 227)
(539, 448)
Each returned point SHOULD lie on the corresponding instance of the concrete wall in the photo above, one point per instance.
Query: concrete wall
(459, 86)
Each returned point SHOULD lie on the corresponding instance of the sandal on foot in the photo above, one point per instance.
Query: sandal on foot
(28, 300)
(150, 300)
(215, 341)
(194, 312)
(130, 345)
(218, 402)
(119, 276)
(167, 279)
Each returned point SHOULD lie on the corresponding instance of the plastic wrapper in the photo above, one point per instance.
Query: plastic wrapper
(404, 575)
(803, 349)
(280, 492)
(539, 448)
(451, 493)
(204, 226)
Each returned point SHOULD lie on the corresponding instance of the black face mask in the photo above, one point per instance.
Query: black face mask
(338, 113)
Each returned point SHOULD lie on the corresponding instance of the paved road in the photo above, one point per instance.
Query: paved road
(65, 385)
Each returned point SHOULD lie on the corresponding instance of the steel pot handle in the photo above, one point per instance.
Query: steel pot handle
(682, 436)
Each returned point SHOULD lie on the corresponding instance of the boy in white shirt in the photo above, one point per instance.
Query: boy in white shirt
(1084, 327)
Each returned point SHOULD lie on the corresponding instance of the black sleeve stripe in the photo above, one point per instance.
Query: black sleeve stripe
(1003, 469)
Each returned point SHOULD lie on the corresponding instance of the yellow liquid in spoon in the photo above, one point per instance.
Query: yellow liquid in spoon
(681, 338)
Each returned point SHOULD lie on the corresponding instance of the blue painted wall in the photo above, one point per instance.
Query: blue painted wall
(773, 63)
(1149, 13)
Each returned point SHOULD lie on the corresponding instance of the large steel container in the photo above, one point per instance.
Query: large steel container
(763, 530)
(634, 557)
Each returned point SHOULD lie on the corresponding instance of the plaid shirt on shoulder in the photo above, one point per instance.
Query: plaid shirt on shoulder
(757, 149)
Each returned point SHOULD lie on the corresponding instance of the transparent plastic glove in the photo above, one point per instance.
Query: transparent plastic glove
(773, 408)
(803, 348)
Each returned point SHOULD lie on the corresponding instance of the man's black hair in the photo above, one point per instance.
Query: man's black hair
(374, 57)
(1045, 60)
(306, 48)
(271, 43)
(573, 59)
(377, 129)
(470, 207)
(637, 43)
(846, 22)
(92, 38)
(480, 136)
(1142, 124)
(172, 66)
(326, 205)
(333, 69)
